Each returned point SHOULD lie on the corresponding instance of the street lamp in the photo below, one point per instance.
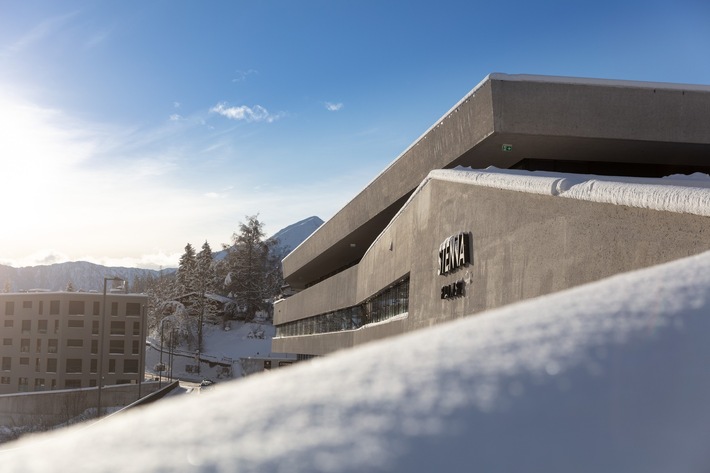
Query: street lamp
(102, 335)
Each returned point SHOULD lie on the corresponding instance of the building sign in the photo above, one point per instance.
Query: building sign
(454, 252)
(455, 289)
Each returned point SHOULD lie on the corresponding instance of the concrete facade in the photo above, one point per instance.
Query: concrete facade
(524, 245)
(53, 340)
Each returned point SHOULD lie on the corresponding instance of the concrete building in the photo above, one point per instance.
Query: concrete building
(423, 243)
(53, 340)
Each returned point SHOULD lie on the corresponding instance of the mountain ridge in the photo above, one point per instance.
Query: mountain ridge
(87, 276)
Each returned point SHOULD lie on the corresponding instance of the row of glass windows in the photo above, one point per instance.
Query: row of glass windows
(117, 327)
(385, 305)
(115, 346)
(73, 365)
(133, 309)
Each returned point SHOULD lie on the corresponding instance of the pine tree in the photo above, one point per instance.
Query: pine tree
(250, 267)
(187, 267)
(205, 282)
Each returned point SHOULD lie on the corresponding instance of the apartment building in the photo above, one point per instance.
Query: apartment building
(63, 340)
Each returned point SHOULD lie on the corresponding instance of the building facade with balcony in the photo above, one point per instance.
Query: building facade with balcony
(61, 340)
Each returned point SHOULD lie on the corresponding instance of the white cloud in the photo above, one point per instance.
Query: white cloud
(333, 107)
(175, 117)
(243, 112)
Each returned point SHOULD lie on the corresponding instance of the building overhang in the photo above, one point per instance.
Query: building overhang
(530, 122)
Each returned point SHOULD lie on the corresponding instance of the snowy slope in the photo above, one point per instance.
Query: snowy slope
(220, 348)
(610, 376)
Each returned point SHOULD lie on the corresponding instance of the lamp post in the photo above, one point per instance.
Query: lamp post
(102, 335)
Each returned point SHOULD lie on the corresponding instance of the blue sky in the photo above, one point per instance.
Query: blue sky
(130, 128)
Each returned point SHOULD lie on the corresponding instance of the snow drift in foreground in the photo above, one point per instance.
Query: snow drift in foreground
(611, 376)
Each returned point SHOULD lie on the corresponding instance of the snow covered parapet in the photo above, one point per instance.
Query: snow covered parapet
(680, 194)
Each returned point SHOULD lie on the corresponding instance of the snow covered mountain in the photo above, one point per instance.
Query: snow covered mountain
(289, 237)
(83, 276)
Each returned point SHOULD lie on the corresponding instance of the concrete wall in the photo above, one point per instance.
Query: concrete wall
(524, 245)
(51, 408)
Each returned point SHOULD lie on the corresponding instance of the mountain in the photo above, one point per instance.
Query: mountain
(83, 276)
(290, 237)
(287, 238)
(90, 277)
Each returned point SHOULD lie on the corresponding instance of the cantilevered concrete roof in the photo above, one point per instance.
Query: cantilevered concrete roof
(530, 122)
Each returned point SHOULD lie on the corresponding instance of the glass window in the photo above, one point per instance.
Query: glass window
(116, 347)
(7, 341)
(53, 307)
(9, 323)
(9, 308)
(51, 365)
(97, 308)
(75, 343)
(74, 365)
(130, 366)
(75, 323)
(52, 345)
(76, 307)
(118, 327)
(6, 363)
(133, 309)
(26, 326)
(26, 304)
(25, 345)
(42, 326)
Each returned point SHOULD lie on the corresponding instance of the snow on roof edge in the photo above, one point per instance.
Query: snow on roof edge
(688, 194)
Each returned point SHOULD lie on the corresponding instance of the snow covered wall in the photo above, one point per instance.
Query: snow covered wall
(611, 376)
(682, 194)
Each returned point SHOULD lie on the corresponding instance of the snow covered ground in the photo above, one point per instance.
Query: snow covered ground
(222, 349)
(612, 376)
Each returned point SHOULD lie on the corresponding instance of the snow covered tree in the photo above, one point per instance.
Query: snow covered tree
(205, 281)
(186, 273)
(250, 267)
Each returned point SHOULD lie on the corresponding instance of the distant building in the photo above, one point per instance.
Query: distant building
(52, 340)
(423, 242)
